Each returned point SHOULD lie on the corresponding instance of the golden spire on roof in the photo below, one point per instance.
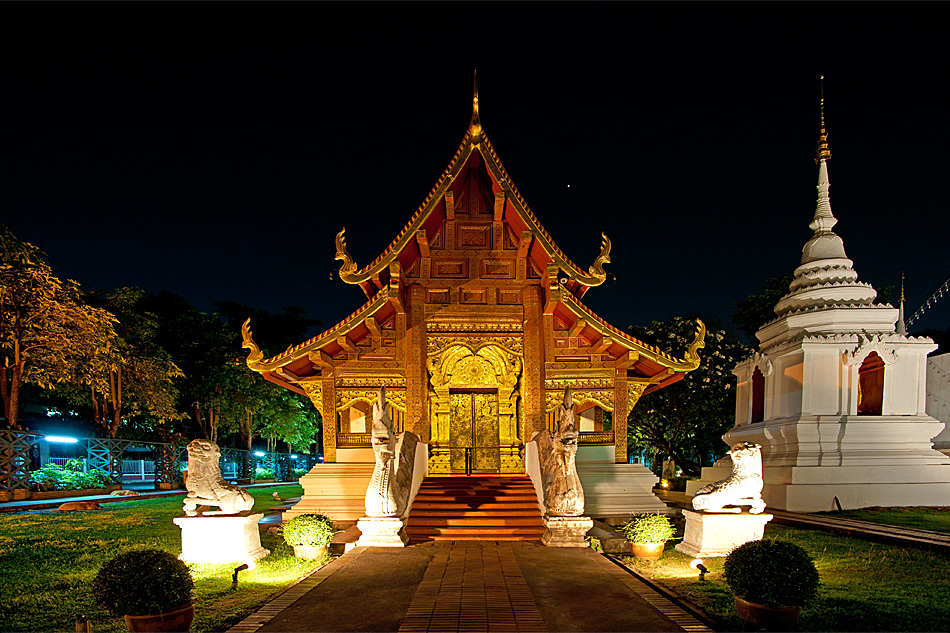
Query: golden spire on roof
(475, 127)
(824, 152)
(902, 286)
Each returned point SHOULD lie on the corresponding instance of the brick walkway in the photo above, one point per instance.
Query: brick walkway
(470, 586)
(473, 589)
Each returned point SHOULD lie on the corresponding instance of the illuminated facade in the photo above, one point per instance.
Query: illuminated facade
(474, 323)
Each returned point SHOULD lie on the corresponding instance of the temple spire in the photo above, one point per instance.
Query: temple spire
(475, 127)
(824, 218)
(824, 151)
(901, 326)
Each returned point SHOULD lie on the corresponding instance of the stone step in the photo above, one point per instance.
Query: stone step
(474, 498)
(498, 512)
(477, 522)
(467, 505)
(472, 532)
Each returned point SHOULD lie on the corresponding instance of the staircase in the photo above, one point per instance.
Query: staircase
(475, 509)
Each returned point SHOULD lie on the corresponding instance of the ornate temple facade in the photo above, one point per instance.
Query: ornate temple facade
(474, 322)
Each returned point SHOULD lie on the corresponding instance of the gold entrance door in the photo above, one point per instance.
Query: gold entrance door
(474, 425)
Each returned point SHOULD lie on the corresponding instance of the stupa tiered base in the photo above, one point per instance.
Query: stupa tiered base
(221, 539)
(713, 534)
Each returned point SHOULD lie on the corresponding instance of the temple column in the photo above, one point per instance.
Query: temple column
(532, 378)
(328, 413)
(620, 416)
(416, 375)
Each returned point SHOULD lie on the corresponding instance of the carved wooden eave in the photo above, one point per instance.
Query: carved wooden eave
(509, 208)
(640, 359)
(327, 350)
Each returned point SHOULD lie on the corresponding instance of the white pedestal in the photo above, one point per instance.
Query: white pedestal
(566, 531)
(712, 534)
(382, 532)
(221, 539)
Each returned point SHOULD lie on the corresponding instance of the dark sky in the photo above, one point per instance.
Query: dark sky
(215, 150)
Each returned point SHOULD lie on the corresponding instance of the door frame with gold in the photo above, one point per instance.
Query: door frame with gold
(461, 367)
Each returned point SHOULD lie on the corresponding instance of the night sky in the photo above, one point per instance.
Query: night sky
(215, 150)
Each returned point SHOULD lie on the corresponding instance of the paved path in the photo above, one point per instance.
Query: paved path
(470, 586)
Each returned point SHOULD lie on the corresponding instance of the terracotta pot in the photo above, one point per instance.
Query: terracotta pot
(171, 621)
(310, 552)
(648, 551)
(774, 618)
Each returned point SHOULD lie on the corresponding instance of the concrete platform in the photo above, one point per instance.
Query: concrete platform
(470, 586)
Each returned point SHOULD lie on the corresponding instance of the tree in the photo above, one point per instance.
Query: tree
(46, 330)
(136, 378)
(756, 310)
(687, 419)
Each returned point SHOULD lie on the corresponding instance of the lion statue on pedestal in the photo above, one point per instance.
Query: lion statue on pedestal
(742, 488)
(206, 486)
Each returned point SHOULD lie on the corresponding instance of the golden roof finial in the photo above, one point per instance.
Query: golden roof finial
(824, 152)
(902, 286)
(476, 125)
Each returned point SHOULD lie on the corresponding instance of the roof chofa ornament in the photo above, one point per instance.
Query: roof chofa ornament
(255, 356)
(348, 267)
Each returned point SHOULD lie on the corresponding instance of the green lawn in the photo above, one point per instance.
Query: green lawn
(48, 560)
(934, 519)
(865, 586)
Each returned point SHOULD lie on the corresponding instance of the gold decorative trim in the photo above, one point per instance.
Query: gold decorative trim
(474, 327)
(374, 382)
(314, 391)
(603, 398)
(345, 398)
(585, 382)
(354, 439)
(255, 356)
(512, 344)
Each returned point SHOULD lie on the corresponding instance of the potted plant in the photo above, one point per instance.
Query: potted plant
(150, 587)
(309, 534)
(770, 581)
(647, 534)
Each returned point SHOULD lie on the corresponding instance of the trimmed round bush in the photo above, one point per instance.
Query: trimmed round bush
(772, 573)
(309, 529)
(142, 582)
(648, 528)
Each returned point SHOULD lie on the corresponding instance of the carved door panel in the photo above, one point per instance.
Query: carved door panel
(474, 425)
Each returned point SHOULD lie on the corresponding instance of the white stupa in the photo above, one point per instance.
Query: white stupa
(836, 393)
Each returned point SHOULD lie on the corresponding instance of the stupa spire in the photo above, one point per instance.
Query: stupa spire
(824, 218)
(825, 277)
(824, 152)
(901, 326)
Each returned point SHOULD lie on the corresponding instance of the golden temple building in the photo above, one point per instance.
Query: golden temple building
(474, 322)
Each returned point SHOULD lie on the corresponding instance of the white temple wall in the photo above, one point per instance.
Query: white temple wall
(938, 398)
(821, 387)
(784, 398)
(743, 371)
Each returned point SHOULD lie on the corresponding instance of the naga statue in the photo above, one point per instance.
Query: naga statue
(206, 486)
(563, 493)
(382, 495)
(742, 488)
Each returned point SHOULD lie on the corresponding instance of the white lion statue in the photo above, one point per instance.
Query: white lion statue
(742, 488)
(206, 486)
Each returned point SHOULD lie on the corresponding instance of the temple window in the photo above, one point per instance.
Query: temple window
(589, 418)
(758, 396)
(356, 419)
(871, 385)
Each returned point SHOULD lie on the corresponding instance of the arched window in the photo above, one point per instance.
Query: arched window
(871, 385)
(758, 396)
